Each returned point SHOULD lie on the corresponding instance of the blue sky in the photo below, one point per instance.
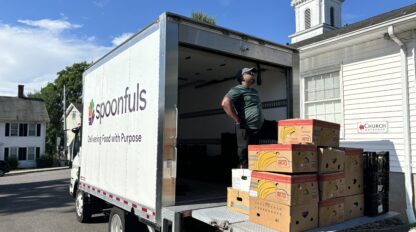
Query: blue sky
(39, 38)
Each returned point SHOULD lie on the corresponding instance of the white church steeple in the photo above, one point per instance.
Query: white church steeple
(315, 17)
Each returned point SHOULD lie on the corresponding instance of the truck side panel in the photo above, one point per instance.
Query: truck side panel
(120, 127)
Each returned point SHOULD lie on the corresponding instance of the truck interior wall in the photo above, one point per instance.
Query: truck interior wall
(207, 148)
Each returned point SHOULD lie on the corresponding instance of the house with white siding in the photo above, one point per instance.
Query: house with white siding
(73, 115)
(362, 76)
(22, 129)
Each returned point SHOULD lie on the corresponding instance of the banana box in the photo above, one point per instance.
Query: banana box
(241, 179)
(309, 131)
(284, 189)
(354, 171)
(330, 160)
(282, 217)
(353, 206)
(331, 185)
(287, 158)
(331, 212)
(238, 201)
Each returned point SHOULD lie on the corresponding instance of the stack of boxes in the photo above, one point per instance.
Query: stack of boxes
(282, 197)
(303, 182)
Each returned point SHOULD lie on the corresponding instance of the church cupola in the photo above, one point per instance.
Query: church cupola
(315, 17)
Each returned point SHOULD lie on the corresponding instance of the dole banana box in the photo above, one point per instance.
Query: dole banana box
(309, 131)
(330, 160)
(331, 212)
(353, 206)
(282, 217)
(284, 189)
(354, 171)
(238, 201)
(331, 185)
(287, 158)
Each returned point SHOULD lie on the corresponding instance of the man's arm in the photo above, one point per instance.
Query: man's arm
(227, 105)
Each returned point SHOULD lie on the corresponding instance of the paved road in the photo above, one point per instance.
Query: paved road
(40, 202)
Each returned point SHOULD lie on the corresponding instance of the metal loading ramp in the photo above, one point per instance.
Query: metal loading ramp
(227, 220)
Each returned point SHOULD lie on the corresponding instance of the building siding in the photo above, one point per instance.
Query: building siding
(372, 91)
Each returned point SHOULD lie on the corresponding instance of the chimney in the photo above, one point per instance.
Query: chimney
(21, 91)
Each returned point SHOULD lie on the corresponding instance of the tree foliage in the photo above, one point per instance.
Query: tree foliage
(52, 94)
(202, 17)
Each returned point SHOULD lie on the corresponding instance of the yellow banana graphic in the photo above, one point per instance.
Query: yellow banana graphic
(287, 131)
(265, 188)
(265, 159)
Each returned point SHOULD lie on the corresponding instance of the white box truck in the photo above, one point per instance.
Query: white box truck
(156, 144)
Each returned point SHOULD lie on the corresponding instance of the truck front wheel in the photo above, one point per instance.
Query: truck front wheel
(82, 207)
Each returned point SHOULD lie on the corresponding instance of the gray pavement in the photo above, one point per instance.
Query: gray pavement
(40, 202)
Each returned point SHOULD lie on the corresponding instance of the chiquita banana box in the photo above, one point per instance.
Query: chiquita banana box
(285, 189)
(331, 185)
(331, 212)
(287, 158)
(309, 131)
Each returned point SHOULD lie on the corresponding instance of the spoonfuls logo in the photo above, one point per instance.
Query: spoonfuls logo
(91, 112)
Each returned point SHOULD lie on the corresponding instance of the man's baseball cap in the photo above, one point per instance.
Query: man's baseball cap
(240, 73)
(246, 70)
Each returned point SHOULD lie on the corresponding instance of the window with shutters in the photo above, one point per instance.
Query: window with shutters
(322, 97)
(31, 153)
(14, 129)
(32, 129)
(307, 18)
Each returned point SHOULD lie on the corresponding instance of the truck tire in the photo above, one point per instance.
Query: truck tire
(121, 221)
(1, 172)
(82, 207)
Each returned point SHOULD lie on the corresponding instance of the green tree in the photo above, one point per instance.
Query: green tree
(202, 17)
(52, 94)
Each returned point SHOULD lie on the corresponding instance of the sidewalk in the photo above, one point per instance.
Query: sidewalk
(25, 171)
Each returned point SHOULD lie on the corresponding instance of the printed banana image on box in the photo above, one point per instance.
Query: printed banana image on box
(285, 189)
(309, 131)
(283, 158)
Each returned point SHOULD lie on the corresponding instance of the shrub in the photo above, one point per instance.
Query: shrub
(13, 163)
(44, 161)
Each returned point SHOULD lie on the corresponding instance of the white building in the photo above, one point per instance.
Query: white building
(363, 77)
(22, 129)
(73, 116)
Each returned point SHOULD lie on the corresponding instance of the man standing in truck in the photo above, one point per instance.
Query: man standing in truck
(242, 104)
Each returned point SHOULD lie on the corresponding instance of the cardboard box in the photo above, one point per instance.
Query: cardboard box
(288, 158)
(307, 131)
(331, 160)
(241, 179)
(353, 206)
(354, 171)
(238, 201)
(285, 189)
(283, 217)
(353, 160)
(331, 185)
(331, 212)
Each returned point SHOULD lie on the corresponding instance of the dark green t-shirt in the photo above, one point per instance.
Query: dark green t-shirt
(247, 103)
